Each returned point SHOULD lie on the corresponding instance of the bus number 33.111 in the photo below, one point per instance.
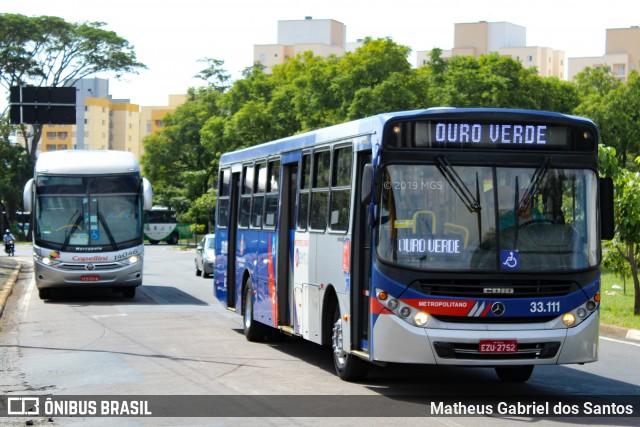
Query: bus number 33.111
(545, 307)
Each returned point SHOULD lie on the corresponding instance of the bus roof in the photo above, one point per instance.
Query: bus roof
(375, 124)
(86, 162)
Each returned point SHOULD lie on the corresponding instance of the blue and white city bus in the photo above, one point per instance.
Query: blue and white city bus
(87, 213)
(465, 237)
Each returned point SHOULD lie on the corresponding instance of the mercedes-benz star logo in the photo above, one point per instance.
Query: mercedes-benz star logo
(497, 308)
(90, 267)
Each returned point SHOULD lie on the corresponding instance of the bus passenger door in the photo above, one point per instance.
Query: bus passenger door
(361, 263)
(233, 232)
(286, 230)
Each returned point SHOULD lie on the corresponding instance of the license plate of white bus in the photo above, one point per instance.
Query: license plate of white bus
(89, 278)
(498, 346)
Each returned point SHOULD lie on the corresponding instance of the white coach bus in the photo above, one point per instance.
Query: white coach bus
(87, 213)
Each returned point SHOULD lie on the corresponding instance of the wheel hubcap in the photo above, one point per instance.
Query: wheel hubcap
(338, 353)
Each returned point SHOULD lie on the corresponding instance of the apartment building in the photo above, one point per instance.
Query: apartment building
(323, 37)
(622, 54)
(480, 38)
(103, 123)
(151, 118)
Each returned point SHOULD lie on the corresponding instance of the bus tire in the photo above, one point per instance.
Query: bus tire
(174, 238)
(153, 242)
(348, 367)
(253, 331)
(129, 292)
(514, 374)
(44, 293)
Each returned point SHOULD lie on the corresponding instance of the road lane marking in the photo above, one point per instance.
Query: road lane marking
(100, 316)
(620, 341)
(23, 305)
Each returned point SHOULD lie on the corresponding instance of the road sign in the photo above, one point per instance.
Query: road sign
(42, 105)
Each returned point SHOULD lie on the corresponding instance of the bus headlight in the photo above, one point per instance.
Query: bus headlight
(46, 260)
(133, 259)
(420, 318)
(568, 319)
(581, 313)
(404, 311)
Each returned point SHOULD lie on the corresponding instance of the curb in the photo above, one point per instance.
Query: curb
(8, 288)
(620, 332)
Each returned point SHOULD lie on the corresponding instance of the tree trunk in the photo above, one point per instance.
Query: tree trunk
(633, 263)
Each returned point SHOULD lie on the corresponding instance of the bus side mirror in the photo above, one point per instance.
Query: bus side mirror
(147, 194)
(369, 187)
(367, 184)
(607, 220)
(27, 196)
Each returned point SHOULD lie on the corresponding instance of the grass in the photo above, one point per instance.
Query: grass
(617, 306)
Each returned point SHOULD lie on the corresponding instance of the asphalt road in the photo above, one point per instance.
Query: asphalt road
(174, 338)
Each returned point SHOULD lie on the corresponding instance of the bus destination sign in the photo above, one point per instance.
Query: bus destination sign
(470, 134)
(497, 133)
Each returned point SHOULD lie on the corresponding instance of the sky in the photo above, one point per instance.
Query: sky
(170, 37)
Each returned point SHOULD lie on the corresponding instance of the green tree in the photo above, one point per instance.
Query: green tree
(627, 239)
(49, 51)
(15, 166)
(178, 161)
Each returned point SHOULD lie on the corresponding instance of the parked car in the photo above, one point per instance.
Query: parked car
(205, 256)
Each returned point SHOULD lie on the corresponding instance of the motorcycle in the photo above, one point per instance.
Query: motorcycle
(10, 248)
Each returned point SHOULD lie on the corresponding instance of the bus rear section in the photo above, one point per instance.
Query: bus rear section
(87, 221)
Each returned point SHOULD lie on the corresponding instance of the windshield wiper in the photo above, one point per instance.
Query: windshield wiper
(73, 229)
(459, 187)
(107, 230)
(532, 189)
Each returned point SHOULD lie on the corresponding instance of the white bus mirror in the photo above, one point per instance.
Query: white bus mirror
(27, 196)
(147, 194)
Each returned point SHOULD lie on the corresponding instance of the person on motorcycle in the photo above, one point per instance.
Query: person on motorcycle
(9, 240)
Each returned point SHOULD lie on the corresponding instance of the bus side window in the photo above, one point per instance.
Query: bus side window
(320, 190)
(244, 213)
(223, 198)
(271, 200)
(303, 204)
(259, 188)
(341, 189)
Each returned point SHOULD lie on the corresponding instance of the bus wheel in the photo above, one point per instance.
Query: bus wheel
(174, 238)
(514, 374)
(348, 367)
(253, 331)
(44, 293)
(153, 242)
(129, 292)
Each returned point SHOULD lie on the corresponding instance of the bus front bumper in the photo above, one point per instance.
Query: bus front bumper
(49, 276)
(397, 341)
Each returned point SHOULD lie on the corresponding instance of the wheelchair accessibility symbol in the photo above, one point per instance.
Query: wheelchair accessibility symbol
(95, 234)
(509, 260)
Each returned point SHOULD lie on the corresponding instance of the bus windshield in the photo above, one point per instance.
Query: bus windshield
(88, 211)
(460, 217)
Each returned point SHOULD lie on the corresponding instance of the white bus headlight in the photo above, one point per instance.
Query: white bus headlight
(133, 259)
(568, 319)
(402, 310)
(420, 318)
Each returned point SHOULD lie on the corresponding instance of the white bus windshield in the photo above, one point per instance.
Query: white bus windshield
(449, 217)
(88, 211)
